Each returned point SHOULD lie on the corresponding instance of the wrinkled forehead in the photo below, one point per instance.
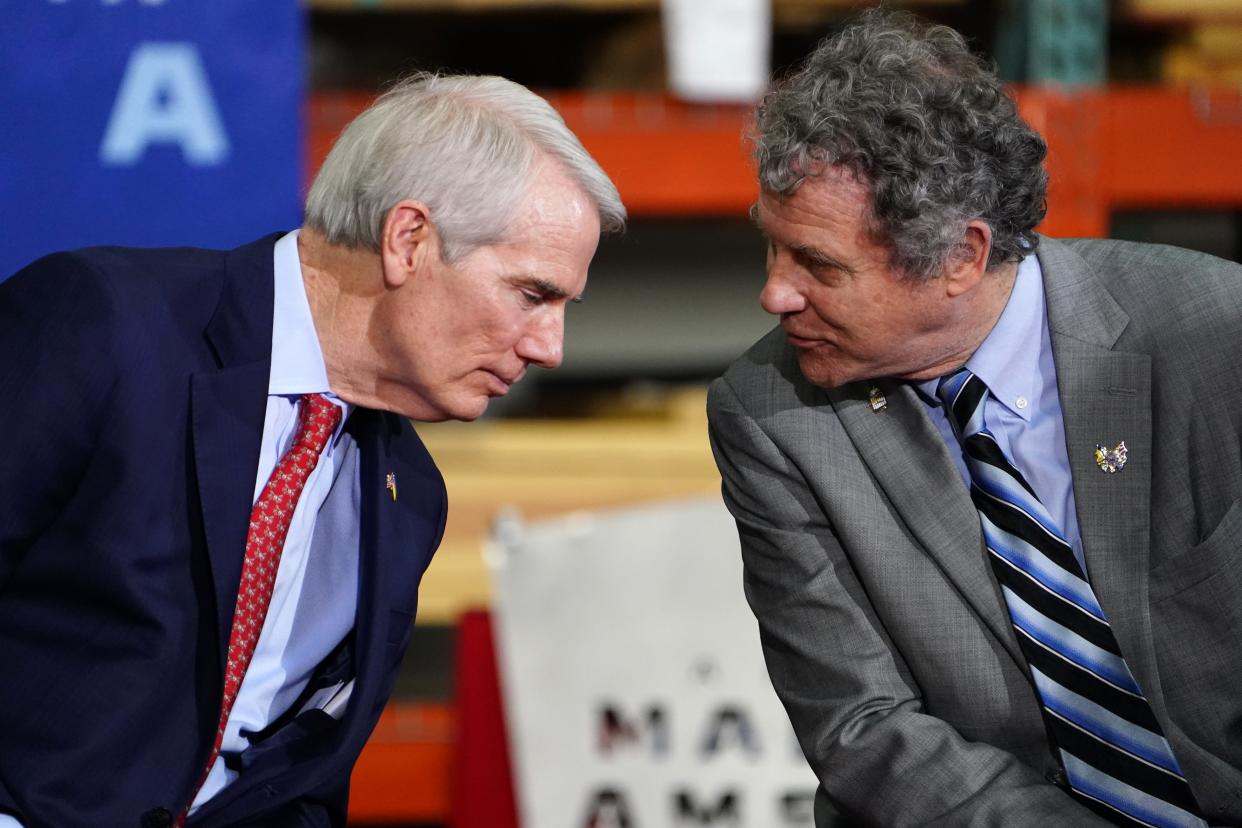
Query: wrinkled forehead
(834, 195)
(553, 200)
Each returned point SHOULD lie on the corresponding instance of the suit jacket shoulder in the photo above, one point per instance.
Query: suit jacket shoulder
(1176, 299)
(127, 281)
(766, 378)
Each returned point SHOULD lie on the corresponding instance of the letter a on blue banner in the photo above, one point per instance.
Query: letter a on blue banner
(148, 122)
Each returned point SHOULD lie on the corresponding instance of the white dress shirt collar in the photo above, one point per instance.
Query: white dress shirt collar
(1006, 361)
(297, 359)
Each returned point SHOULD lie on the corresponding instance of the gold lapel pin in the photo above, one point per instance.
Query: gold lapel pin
(877, 400)
(390, 483)
(1111, 460)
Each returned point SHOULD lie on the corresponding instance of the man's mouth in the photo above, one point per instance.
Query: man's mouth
(800, 341)
(506, 381)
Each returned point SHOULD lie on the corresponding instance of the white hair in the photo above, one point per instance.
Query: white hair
(465, 146)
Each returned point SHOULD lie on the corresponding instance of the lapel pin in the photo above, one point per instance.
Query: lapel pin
(878, 403)
(1111, 460)
(390, 483)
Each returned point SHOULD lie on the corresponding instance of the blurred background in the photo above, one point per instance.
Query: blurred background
(174, 122)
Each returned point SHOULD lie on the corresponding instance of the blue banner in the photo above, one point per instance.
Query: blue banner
(148, 122)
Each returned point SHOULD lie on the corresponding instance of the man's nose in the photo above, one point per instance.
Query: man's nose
(544, 341)
(780, 295)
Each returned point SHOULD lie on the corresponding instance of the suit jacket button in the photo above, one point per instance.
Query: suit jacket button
(157, 818)
(1055, 774)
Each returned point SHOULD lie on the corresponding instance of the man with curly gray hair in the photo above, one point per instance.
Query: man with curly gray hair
(986, 482)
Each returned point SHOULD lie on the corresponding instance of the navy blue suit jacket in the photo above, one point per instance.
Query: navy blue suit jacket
(133, 385)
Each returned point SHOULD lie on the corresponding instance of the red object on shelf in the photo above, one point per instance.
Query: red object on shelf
(483, 791)
(441, 763)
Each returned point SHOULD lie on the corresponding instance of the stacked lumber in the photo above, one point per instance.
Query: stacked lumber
(542, 468)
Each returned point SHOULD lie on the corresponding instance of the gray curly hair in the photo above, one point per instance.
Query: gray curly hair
(464, 144)
(925, 123)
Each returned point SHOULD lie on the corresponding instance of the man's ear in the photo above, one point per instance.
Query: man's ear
(407, 240)
(969, 261)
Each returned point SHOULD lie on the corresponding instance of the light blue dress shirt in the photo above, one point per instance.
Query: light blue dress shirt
(1023, 409)
(320, 594)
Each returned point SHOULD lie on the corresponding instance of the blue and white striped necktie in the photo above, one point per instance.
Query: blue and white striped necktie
(1116, 758)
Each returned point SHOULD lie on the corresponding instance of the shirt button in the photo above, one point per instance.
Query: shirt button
(1020, 403)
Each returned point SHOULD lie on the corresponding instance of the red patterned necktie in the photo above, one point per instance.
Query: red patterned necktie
(269, 524)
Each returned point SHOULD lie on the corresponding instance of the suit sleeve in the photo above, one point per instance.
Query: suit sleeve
(325, 808)
(57, 368)
(853, 703)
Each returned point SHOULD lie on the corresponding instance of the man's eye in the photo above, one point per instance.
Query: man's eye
(814, 265)
(531, 298)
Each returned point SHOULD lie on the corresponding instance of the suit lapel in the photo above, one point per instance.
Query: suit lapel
(226, 433)
(1105, 399)
(376, 520)
(397, 538)
(227, 413)
(910, 461)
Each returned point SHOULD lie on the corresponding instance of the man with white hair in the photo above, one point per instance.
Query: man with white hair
(215, 512)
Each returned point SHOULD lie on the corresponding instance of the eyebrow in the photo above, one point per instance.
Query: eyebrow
(552, 291)
(805, 252)
(819, 258)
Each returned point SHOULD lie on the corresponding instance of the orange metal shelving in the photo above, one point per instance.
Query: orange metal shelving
(404, 773)
(1111, 148)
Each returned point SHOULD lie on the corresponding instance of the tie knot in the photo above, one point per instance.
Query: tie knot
(963, 394)
(317, 419)
(950, 384)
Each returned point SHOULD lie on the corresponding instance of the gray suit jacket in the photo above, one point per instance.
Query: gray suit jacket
(886, 636)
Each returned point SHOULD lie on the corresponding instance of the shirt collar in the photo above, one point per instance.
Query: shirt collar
(297, 359)
(1008, 359)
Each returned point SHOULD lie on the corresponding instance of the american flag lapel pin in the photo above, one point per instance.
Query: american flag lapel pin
(390, 483)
